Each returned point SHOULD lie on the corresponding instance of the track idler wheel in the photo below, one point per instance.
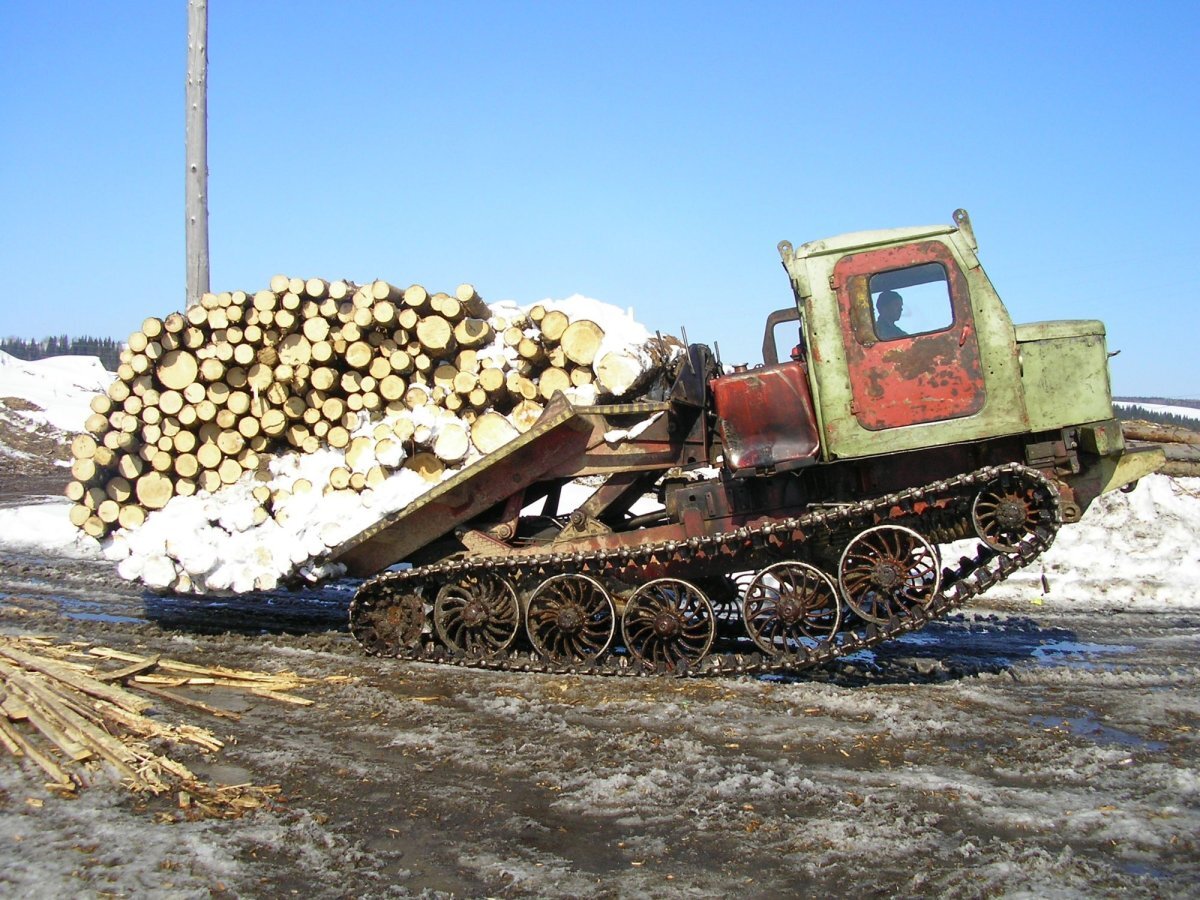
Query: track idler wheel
(791, 606)
(570, 619)
(888, 570)
(668, 624)
(477, 615)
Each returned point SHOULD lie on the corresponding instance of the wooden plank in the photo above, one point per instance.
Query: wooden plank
(62, 781)
(134, 668)
(188, 702)
(79, 682)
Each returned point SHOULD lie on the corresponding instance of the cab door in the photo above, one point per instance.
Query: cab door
(920, 365)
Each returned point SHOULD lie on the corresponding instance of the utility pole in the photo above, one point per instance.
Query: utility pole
(196, 138)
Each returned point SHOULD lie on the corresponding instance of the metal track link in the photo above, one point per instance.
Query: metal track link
(919, 505)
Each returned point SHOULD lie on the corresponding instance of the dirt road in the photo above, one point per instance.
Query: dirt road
(1009, 750)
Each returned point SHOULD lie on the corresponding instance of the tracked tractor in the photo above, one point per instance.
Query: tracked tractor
(772, 517)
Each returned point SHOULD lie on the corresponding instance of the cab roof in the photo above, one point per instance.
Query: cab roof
(856, 240)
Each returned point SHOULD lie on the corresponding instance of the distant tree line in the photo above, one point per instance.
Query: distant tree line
(1127, 413)
(107, 349)
(1161, 401)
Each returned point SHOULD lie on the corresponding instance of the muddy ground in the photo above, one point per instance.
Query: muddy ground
(1032, 750)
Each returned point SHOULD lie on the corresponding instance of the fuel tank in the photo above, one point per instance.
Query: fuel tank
(765, 419)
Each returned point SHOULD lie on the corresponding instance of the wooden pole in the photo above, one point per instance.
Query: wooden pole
(196, 138)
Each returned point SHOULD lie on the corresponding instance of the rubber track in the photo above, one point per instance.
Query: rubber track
(967, 580)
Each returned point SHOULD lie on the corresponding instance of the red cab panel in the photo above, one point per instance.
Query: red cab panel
(908, 379)
(766, 418)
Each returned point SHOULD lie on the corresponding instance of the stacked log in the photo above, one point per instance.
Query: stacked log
(397, 379)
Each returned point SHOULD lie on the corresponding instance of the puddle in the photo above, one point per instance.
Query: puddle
(1088, 726)
(101, 617)
(1143, 869)
(88, 611)
(1076, 653)
(918, 638)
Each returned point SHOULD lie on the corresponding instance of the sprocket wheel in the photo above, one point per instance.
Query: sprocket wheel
(1005, 512)
(570, 619)
(389, 627)
(478, 615)
(790, 606)
(887, 571)
(668, 623)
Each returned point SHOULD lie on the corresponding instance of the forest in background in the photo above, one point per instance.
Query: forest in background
(107, 349)
(1134, 410)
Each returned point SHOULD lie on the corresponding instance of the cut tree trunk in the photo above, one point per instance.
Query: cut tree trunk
(553, 324)
(581, 340)
(452, 444)
(490, 431)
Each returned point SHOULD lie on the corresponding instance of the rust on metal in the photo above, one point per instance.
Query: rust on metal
(910, 380)
(766, 418)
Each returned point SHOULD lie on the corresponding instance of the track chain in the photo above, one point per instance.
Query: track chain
(968, 579)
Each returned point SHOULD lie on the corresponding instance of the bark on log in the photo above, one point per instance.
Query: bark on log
(1159, 434)
(472, 303)
(618, 372)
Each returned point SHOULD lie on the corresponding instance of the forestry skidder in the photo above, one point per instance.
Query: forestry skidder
(800, 503)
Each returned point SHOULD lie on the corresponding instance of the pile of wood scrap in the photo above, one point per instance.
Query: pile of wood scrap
(1181, 445)
(79, 719)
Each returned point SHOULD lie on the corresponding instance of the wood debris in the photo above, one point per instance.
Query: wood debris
(69, 712)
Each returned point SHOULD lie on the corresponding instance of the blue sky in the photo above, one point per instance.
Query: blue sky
(647, 154)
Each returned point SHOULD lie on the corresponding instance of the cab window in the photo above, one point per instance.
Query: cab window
(910, 301)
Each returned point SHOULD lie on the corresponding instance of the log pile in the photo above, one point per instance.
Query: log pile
(79, 720)
(392, 379)
(1181, 445)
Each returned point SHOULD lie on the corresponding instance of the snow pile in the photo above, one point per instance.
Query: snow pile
(41, 405)
(61, 386)
(1146, 538)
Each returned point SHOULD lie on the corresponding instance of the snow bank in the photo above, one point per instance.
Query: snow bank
(61, 385)
(1136, 549)
(44, 528)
